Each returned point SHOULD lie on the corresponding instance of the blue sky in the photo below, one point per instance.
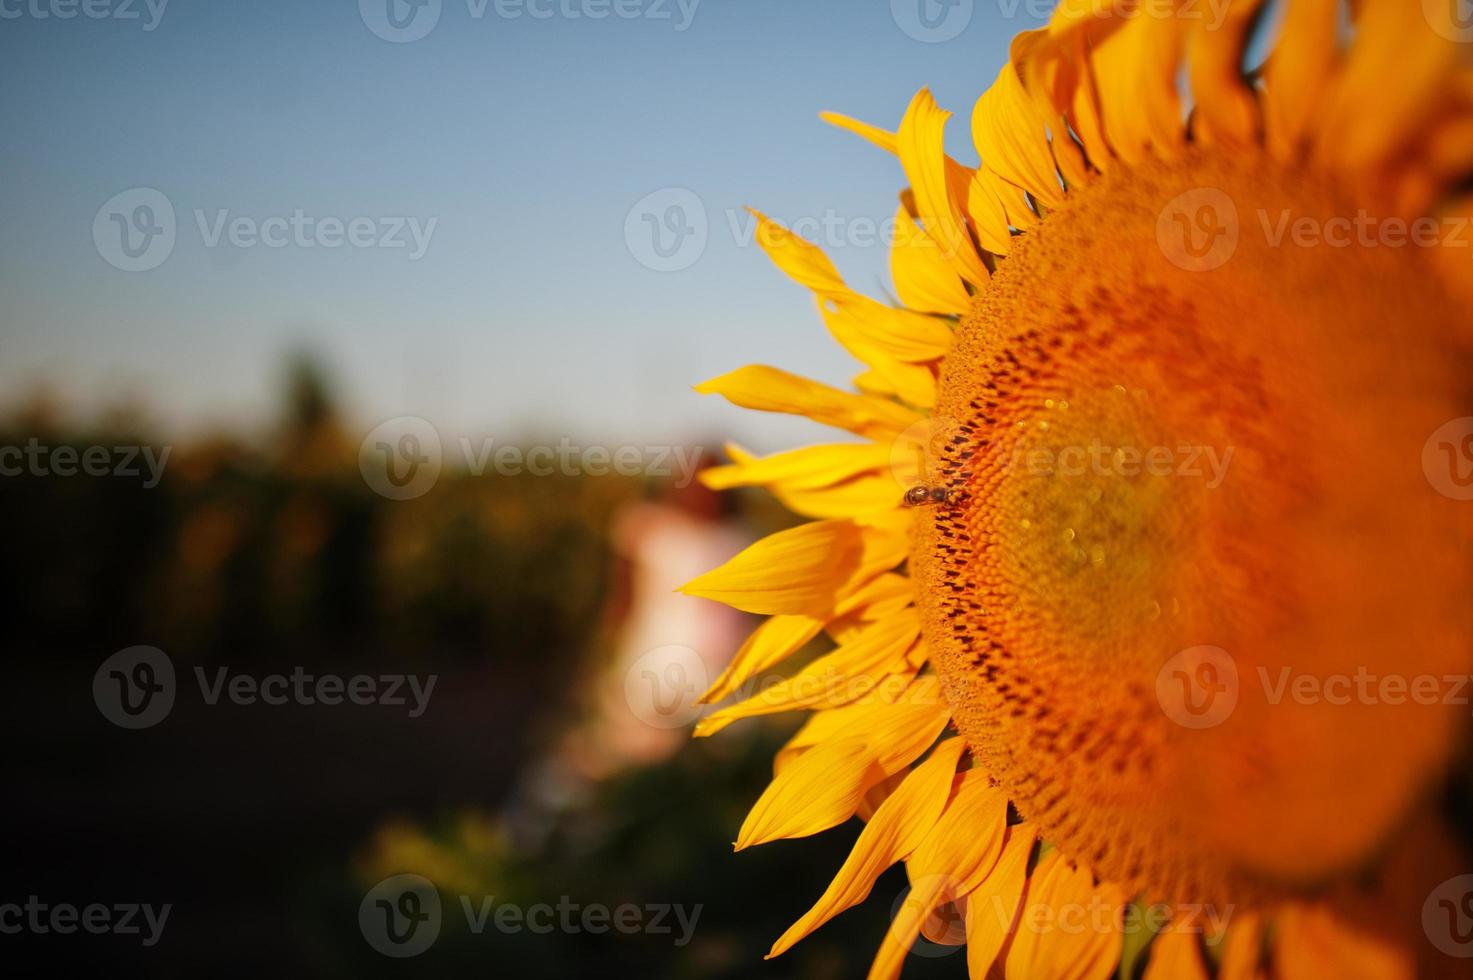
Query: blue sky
(525, 140)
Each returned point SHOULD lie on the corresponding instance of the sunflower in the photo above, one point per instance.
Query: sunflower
(1132, 567)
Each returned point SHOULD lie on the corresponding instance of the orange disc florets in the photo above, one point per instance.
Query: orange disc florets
(1189, 545)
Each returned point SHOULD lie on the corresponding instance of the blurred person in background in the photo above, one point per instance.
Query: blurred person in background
(638, 700)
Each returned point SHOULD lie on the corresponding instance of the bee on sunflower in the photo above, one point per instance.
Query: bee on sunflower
(1070, 680)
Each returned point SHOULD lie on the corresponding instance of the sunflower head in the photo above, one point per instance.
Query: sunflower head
(1145, 460)
(1139, 459)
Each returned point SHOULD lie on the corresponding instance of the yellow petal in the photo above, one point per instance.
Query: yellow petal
(1242, 956)
(768, 389)
(993, 908)
(902, 334)
(1071, 12)
(990, 228)
(938, 194)
(895, 524)
(860, 327)
(805, 262)
(877, 795)
(924, 898)
(964, 845)
(778, 638)
(875, 334)
(1136, 69)
(1227, 110)
(1070, 929)
(914, 384)
(871, 382)
(884, 139)
(797, 571)
(1084, 109)
(1014, 202)
(822, 727)
(955, 857)
(1298, 72)
(911, 383)
(923, 279)
(1047, 81)
(843, 626)
(1075, 30)
(895, 830)
(884, 597)
(1176, 955)
(880, 598)
(824, 786)
(859, 719)
(845, 480)
(805, 570)
(1366, 121)
(818, 790)
(1309, 943)
(851, 672)
(799, 469)
(826, 726)
(858, 497)
(988, 215)
(1012, 141)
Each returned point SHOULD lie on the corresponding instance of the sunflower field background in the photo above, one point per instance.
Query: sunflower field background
(267, 551)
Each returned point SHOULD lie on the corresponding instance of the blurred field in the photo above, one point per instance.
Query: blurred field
(264, 825)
